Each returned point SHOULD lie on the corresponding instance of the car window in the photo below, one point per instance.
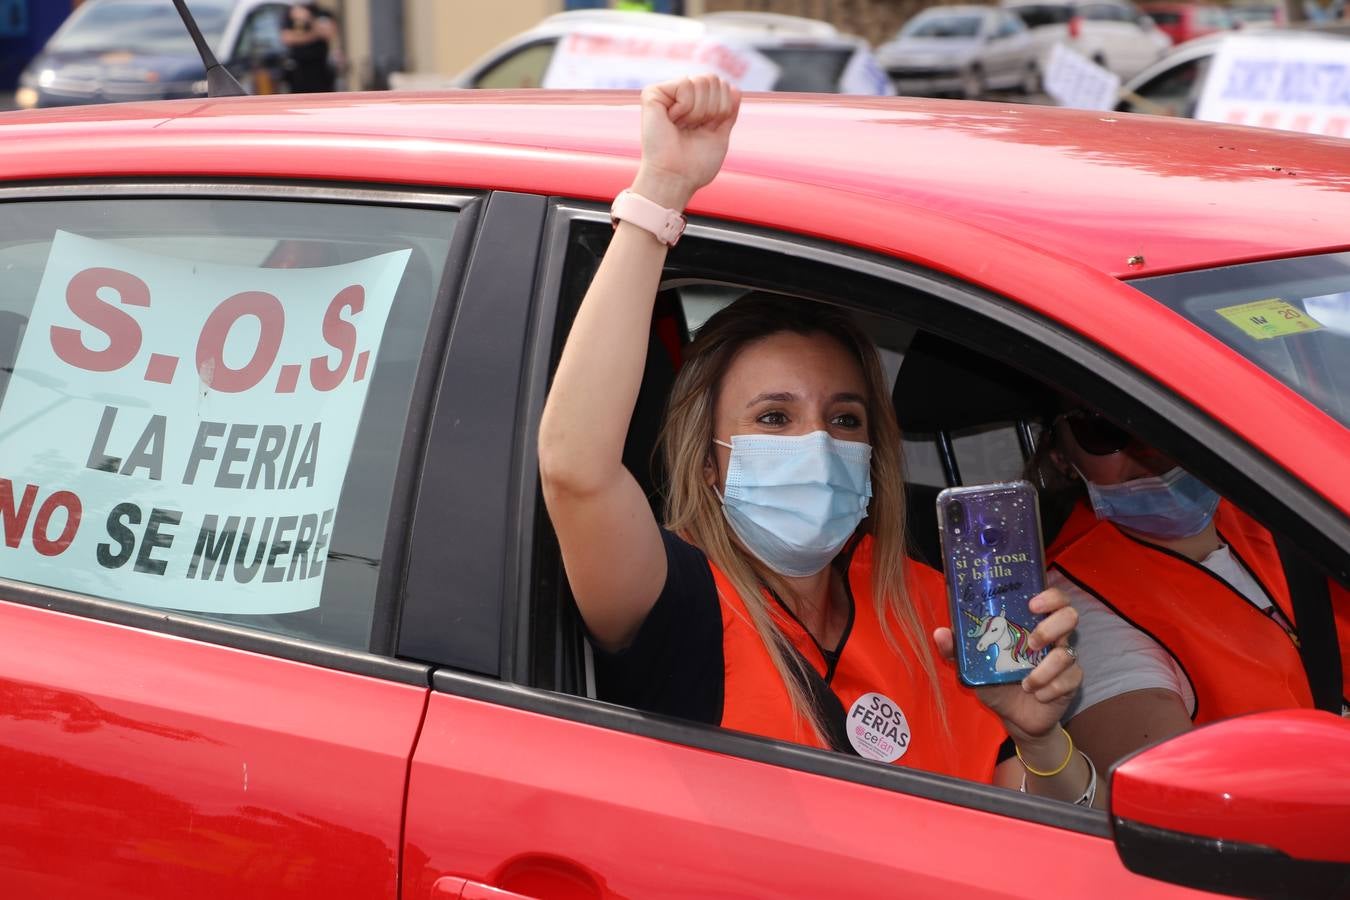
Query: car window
(1103, 12)
(1009, 25)
(142, 26)
(261, 34)
(1170, 93)
(1291, 317)
(524, 68)
(202, 401)
(1036, 15)
(943, 25)
(1165, 17)
(811, 69)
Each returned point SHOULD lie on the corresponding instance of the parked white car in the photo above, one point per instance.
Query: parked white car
(797, 54)
(965, 50)
(1113, 34)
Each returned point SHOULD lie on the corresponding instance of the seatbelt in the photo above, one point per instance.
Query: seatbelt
(1316, 624)
(829, 708)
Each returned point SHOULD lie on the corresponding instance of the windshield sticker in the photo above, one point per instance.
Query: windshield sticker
(1270, 318)
(176, 433)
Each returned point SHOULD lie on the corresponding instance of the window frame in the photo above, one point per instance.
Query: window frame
(378, 660)
(786, 262)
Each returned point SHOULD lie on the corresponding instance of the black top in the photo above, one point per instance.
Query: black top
(674, 664)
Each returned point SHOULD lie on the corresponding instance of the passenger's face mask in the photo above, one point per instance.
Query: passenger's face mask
(795, 500)
(1173, 505)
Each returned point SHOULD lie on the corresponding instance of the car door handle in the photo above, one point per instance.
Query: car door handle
(449, 886)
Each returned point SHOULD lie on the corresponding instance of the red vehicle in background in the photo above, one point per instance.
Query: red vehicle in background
(1183, 21)
(281, 612)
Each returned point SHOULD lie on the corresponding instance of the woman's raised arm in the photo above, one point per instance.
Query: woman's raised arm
(611, 545)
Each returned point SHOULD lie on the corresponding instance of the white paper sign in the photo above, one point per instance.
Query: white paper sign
(1295, 84)
(176, 433)
(618, 57)
(1077, 82)
(864, 75)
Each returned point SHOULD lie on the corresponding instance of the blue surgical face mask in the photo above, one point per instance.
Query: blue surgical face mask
(1172, 505)
(795, 500)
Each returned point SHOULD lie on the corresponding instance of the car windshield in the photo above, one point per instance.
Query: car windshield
(1290, 316)
(1044, 14)
(1165, 17)
(814, 69)
(142, 26)
(942, 26)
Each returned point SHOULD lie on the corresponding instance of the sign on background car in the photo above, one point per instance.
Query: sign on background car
(625, 49)
(1298, 85)
(1286, 78)
(227, 325)
(619, 57)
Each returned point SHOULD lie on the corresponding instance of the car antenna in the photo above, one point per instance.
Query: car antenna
(219, 81)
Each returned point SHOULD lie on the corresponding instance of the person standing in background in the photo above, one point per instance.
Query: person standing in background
(311, 38)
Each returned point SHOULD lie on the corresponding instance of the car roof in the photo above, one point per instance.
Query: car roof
(1089, 188)
(1048, 206)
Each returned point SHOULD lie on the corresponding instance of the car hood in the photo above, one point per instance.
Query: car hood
(111, 65)
(910, 49)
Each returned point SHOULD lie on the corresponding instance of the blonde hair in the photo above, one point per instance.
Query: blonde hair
(694, 512)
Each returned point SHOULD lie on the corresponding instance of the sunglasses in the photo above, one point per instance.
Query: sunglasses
(1094, 433)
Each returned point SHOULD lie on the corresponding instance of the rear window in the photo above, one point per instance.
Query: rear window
(943, 26)
(812, 69)
(203, 401)
(1291, 317)
(1165, 18)
(1044, 14)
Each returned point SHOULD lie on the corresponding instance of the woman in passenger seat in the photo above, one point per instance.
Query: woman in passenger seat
(778, 599)
(1184, 611)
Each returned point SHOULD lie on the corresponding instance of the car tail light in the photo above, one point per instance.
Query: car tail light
(1076, 27)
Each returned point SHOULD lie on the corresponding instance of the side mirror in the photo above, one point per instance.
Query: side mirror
(1257, 806)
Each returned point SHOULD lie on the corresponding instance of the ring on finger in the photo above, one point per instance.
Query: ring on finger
(1073, 652)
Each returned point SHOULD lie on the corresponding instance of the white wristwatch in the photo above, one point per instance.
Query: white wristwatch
(666, 224)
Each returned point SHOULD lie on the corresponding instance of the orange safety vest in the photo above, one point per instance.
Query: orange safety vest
(869, 679)
(1238, 658)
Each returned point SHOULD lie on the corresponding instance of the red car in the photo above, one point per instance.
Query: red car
(282, 615)
(1183, 21)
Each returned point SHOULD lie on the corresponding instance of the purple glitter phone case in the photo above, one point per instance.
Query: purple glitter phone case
(994, 563)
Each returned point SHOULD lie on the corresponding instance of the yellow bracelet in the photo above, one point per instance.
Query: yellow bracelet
(1053, 772)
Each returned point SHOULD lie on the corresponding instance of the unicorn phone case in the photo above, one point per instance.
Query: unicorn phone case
(994, 563)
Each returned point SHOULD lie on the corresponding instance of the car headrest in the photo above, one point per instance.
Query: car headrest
(944, 387)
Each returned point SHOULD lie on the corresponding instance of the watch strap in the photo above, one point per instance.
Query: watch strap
(666, 224)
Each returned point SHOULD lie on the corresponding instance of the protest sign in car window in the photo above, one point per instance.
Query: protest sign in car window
(178, 428)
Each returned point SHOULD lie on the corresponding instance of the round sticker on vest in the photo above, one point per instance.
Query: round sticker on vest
(877, 728)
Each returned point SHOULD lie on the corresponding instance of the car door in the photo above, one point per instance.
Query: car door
(521, 782)
(211, 398)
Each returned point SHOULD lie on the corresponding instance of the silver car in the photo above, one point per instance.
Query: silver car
(963, 50)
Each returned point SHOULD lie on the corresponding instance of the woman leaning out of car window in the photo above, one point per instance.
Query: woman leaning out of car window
(1184, 611)
(784, 506)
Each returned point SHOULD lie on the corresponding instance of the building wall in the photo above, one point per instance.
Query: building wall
(445, 36)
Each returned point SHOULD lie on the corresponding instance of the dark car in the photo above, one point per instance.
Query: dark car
(112, 50)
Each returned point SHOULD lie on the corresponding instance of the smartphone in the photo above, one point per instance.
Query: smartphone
(994, 563)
